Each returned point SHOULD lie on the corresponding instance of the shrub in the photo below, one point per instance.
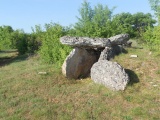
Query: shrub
(152, 38)
(52, 51)
(21, 43)
(33, 43)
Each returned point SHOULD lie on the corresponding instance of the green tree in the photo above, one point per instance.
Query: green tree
(93, 22)
(134, 24)
(84, 25)
(5, 37)
(101, 19)
(141, 21)
(122, 23)
(152, 38)
(155, 6)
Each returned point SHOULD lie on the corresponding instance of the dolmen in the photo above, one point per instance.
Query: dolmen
(91, 57)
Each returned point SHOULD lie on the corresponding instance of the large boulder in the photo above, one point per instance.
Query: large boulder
(78, 63)
(110, 74)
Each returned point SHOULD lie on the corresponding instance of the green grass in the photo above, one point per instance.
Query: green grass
(27, 95)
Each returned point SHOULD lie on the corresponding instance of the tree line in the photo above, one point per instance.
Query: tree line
(97, 21)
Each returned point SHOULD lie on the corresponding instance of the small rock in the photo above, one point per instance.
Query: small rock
(150, 53)
(134, 56)
(155, 85)
(42, 73)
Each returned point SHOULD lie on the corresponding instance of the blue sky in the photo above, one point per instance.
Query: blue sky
(24, 14)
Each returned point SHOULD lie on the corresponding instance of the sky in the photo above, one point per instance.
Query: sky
(24, 14)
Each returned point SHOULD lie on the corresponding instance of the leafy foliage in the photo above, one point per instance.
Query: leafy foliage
(99, 22)
(52, 51)
(134, 24)
(5, 37)
(152, 38)
(122, 23)
(21, 41)
(18, 39)
(141, 21)
(25, 43)
(155, 5)
(93, 22)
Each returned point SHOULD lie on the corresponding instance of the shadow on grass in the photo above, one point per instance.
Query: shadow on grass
(8, 51)
(134, 47)
(119, 50)
(132, 76)
(8, 59)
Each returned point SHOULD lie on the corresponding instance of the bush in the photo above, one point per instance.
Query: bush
(33, 43)
(52, 51)
(21, 43)
(152, 38)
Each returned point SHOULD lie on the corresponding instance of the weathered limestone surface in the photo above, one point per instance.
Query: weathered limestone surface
(78, 63)
(119, 39)
(82, 61)
(86, 42)
(110, 74)
(106, 54)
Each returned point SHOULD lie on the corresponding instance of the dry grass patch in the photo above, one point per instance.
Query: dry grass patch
(27, 95)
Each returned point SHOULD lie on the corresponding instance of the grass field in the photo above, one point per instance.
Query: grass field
(27, 95)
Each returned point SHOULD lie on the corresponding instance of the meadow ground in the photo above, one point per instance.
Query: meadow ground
(27, 95)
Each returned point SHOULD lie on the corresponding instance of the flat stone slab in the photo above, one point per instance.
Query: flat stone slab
(86, 42)
(119, 39)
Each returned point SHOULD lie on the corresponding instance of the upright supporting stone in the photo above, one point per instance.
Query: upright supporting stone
(109, 74)
(106, 54)
(78, 63)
